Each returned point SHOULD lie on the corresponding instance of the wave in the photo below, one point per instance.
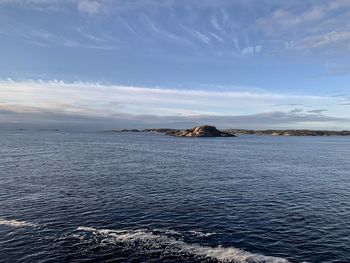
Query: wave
(15, 223)
(200, 234)
(146, 240)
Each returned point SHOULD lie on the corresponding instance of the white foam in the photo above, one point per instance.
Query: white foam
(147, 240)
(201, 234)
(83, 228)
(167, 231)
(15, 223)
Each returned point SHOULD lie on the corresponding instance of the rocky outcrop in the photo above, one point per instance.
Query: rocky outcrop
(129, 130)
(123, 130)
(159, 130)
(201, 131)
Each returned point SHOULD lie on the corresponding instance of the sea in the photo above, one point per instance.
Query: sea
(147, 197)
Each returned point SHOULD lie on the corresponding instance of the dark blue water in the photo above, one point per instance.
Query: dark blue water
(100, 197)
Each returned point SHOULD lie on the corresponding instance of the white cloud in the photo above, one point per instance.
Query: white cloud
(252, 50)
(326, 39)
(124, 106)
(90, 7)
(106, 101)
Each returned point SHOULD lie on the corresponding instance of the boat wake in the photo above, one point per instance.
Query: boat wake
(146, 240)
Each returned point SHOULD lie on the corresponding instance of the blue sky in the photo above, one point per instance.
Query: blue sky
(143, 63)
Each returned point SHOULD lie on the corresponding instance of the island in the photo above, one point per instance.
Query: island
(288, 132)
(212, 131)
(200, 131)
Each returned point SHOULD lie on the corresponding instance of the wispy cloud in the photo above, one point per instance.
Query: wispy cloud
(44, 38)
(271, 26)
(309, 27)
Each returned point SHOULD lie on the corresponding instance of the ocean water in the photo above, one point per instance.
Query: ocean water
(137, 197)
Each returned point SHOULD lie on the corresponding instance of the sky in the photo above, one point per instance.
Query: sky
(256, 64)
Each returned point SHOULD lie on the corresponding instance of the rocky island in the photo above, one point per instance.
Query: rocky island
(200, 131)
(211, 131)
(288, 132)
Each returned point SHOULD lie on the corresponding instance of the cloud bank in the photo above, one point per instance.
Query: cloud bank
(124, 106)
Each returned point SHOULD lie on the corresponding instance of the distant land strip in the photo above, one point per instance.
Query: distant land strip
(270, 132)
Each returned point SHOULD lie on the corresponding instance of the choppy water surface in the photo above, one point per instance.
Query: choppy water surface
(100, 197)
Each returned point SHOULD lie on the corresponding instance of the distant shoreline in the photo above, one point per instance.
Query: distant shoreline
(270, 132)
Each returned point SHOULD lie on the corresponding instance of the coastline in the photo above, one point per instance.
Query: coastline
(237, 132)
